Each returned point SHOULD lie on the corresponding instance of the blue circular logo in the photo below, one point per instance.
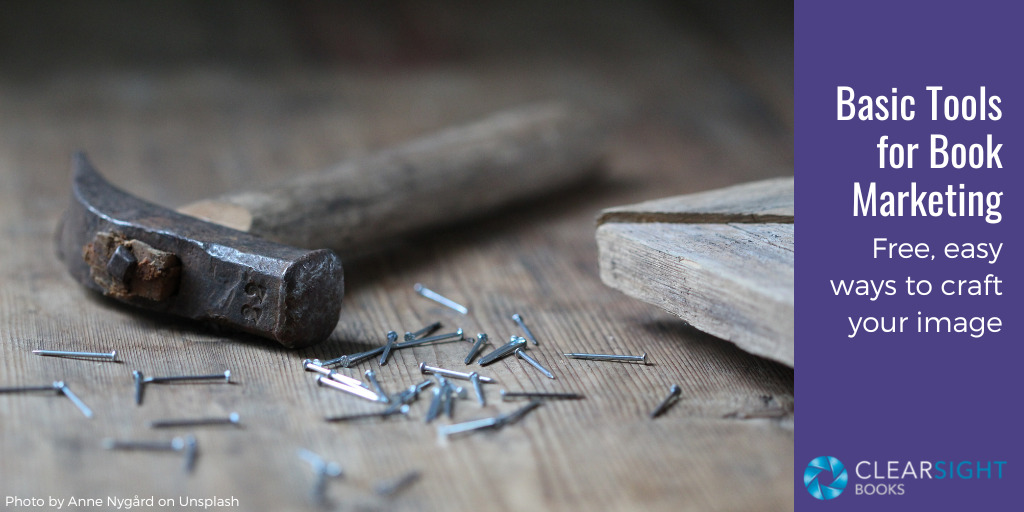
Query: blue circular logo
(825, 478)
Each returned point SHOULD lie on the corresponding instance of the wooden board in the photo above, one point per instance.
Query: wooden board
(721, 260)
(176, 134)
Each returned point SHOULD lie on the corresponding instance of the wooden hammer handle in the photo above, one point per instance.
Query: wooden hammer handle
(438, 179)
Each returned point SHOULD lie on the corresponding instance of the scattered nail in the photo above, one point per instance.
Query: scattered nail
(515, 395)
(231, 419)
(478, 387)
(392, 338)
(533, 362)
(451, 374)
(359, 391)
(519, 320)
(108, 356)
(321, 471)
(481, 338)
(390, 411)
(409, 336)
(372, 377)
(673, 394)
(440, 299)
(608, 357)
(502, 351)
(57, 386)
(186, 445)
(392, 487)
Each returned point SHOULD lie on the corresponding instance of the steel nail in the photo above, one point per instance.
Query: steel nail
(372, 377)
(390, 411)
(139, 382)
(187, 445)
(310, 365)
(111, 356)
(451, 374)
(467, 426)
(392, 338)
(359, 391)
(516, 415)
(63, 388)
(440, 299)
(608, 357)
(502, 351)
(533, 362)
(513, 395)
(231, 419)
(481, 338)
(673, 394)
(435, 406)
(321, 471)
(390, 487)
(180, 378)
(409, 336)
(478, 387)
(519, 320)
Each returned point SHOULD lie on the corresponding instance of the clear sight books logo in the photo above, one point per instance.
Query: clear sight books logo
(825, 478)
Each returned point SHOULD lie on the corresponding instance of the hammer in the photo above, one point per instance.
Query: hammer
(239, 261)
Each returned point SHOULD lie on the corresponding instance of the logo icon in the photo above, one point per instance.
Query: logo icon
(825, 478)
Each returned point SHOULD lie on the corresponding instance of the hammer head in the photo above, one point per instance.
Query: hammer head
(152, 257)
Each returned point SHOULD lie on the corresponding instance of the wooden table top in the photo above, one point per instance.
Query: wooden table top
(691, 120)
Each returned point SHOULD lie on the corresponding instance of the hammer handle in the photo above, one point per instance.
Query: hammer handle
(360, 204)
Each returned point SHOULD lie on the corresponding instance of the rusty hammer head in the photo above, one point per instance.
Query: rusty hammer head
(155, 258)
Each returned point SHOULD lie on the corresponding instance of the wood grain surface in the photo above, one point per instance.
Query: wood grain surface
(700, 109)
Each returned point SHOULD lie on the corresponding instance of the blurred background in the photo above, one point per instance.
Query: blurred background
(360, 75)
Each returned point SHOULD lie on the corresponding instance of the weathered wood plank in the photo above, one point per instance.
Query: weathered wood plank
(721, 260)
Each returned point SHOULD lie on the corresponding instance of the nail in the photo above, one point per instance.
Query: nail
(608, 357)
(321, 471)
(112, 356)
(435, 406)
(502, 351)
(449, 404)
(231, 419)
(440, 299)
(519, 320)
(468, 426)
(533, 362)
(510, 395)
(179, 378)
(137, 375)
(372, 377)
(140, 382)
(310, 365)
(390, 411)
(352, 359)
(410, 394)
(26, 389)
(392, 338)
(388, 488)
(516, 415)
(478, 387)
(63, 388)
(409, 336)
(494, 422)
(57, 386)
(451, 374)
(187, 445)
(673, 394)
(359, 391)
(481, 338)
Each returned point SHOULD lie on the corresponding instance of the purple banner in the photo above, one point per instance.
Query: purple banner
(908, 255)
